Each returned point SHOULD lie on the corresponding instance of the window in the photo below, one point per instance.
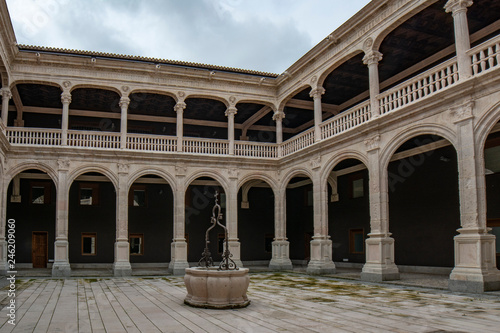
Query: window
(137, 196)
(136, 244)
(89, 194)
(356, 241)
(356, 186)
(89, 242)
(40, 193)
(269, 243)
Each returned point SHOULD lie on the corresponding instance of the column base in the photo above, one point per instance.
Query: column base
(321, 267)
(380, 264)
(281, 258)
(122, 269)
(378, 273)
(321, 256)
(61, 269)
(475, 257)
(178, 267)
(4, 267)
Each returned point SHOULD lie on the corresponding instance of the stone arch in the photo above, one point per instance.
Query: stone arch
(206, 173)
(289, 96)
(221, 99)
(40, 82)
(270, 181)
(96, 86)
(295, 173)
(9, 175)
(154, 91)
(484, 125)
(93, 168)
(339, 157)
(322, 77)
(152, 171)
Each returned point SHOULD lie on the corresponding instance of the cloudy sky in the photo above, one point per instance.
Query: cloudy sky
(264, 35)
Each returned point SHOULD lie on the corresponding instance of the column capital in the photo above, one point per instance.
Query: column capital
(372, 57)
(124, 102)
(179, 107)
(231, 111)
(462, 112)
(455, 6)
(123, 168)
(317, 92)
(66, 97)
(63, 165)
(279, 115)
(373, 143)
(6, 93)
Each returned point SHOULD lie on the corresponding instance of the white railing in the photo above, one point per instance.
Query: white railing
(301, 141)
(485, 56)
(346, 120)
(33, 136)
(151, 143)
(89, 139)
(256, 149)
(421, 86)
(205, 146)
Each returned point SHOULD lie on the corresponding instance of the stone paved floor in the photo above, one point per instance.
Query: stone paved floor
(280, 303)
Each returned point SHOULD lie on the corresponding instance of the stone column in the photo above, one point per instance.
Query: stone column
(379, 264)
(61, 266)
(124, 103)
(16, 189)
(475, 269)
(281, 247)
(278, 118)
(318, 113)
(232, 217)
(4, 268)
(230, 112)
(321, 245)
(179, 108)
(371, 59)
(66, 100)
(458, 8)
(121, 265)
(178, 261)
(6, 96)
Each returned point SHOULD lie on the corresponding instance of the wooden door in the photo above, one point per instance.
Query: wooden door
(39, 249)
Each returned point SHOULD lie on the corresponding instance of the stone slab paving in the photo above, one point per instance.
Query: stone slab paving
(280, 303)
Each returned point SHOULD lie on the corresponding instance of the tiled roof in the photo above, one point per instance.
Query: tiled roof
(145, 59)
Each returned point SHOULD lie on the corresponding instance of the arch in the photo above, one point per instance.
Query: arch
(155, 92)
(413, 131)
(283, 102)
(339, 157)
(32, 165)
(40, 82)
(295, 173)
(95, 86)
(93, 168)
(338, 62)
(255, 101)
(152, 171)
(270, 181)
(206, 173)
(215, 98)
(485, 125)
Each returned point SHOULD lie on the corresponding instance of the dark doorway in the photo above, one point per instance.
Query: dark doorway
(39, 249)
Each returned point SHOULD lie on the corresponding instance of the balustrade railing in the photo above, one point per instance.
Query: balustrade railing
(256, 149)
(89, 139)
(485, 56)
(346, 120)
(205, 146)
(301, 141)
(33, 136)
(421, 86)
(151, 143)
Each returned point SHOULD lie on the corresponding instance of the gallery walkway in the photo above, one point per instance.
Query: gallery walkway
(290, 302)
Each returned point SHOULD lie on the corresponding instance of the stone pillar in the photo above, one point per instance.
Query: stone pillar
(121, 265)
(4, 268)
(230, 112)
(178, 261)
(318, 113)
(379, 264)
(371, 59)
(458, 8)
(321, 245)
(232, 217)
(124, 102)
(179, 108)
(66, 100)
(475, 269)
(6, 96)
(278, 118)
(281, 247)
(16, 189)
(61, 266)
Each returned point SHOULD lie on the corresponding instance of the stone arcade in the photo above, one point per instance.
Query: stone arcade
(379, 148)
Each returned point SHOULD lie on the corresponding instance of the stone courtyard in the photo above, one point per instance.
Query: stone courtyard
(288, 302)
